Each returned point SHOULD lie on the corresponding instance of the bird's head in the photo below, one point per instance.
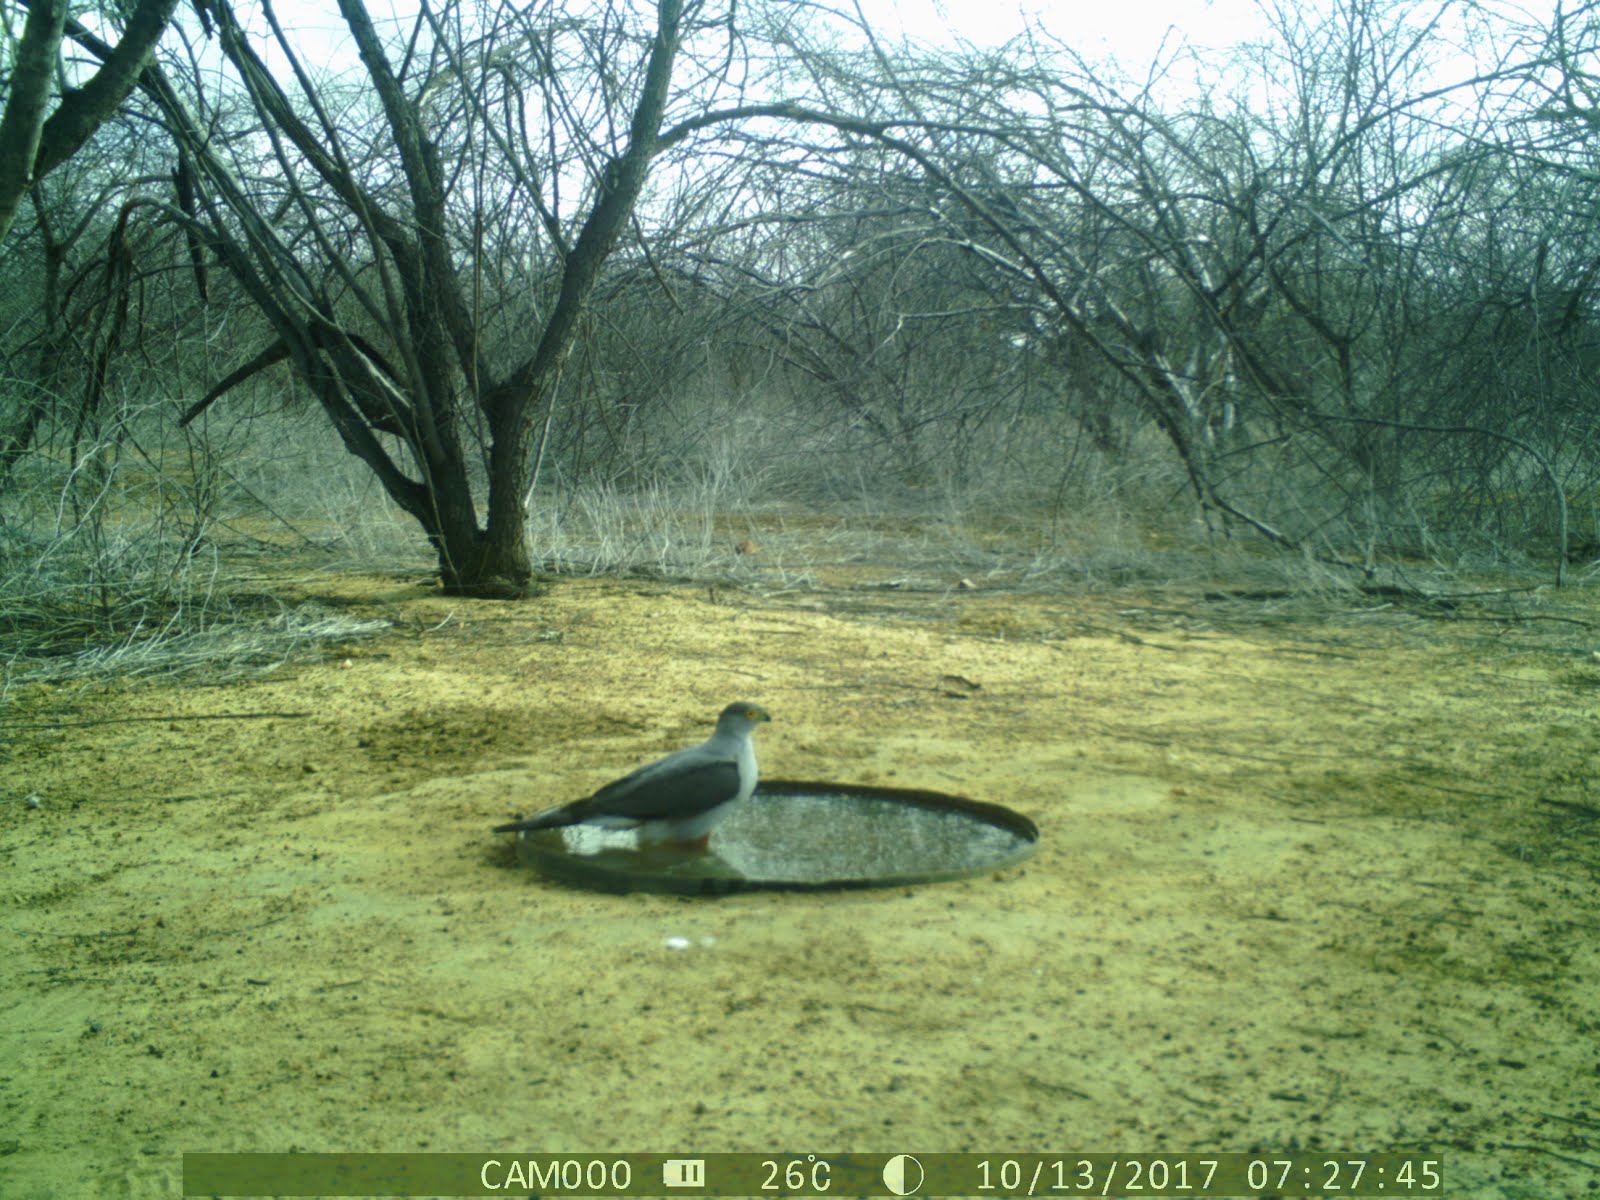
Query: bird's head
(740, 717)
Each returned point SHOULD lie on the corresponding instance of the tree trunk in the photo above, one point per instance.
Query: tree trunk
(23, 121)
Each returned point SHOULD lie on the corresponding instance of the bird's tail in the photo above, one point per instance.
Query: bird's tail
(544, 820)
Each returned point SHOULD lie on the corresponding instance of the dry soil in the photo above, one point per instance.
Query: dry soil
(1311, 877)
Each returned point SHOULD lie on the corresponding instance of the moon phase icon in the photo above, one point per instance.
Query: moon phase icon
(902, 1174)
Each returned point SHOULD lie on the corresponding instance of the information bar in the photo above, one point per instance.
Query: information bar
(813, 1174)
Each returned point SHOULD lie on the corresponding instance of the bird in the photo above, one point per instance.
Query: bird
(676, 799)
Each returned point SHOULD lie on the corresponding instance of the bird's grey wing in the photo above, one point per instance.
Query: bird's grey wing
(681, 785)
(684, 784)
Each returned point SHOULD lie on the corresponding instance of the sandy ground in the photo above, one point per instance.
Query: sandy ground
(1308, 879)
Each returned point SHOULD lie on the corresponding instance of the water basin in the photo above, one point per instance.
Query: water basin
(799, 836)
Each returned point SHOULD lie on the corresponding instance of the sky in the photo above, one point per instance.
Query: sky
(1133, 33)
(1131, 30)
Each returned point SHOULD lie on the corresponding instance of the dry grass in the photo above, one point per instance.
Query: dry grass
(111, 569)
(121, 565)
(216, 646)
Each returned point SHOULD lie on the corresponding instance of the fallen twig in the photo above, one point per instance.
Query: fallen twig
(1552, 1153)
(261, 716)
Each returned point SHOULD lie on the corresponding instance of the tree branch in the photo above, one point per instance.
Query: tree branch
(83, 111)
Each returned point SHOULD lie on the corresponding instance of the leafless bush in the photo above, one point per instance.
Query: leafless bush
(116, 562)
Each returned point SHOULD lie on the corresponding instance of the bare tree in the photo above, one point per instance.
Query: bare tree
(1353, 315)
(507, 144)
(1283, 292)
(88, 279)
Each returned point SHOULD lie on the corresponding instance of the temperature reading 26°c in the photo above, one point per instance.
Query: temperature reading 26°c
(808, 1174)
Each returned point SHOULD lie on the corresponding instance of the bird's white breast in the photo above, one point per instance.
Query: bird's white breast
(747, 768)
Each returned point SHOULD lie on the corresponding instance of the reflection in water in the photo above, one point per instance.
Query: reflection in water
(818, 837)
